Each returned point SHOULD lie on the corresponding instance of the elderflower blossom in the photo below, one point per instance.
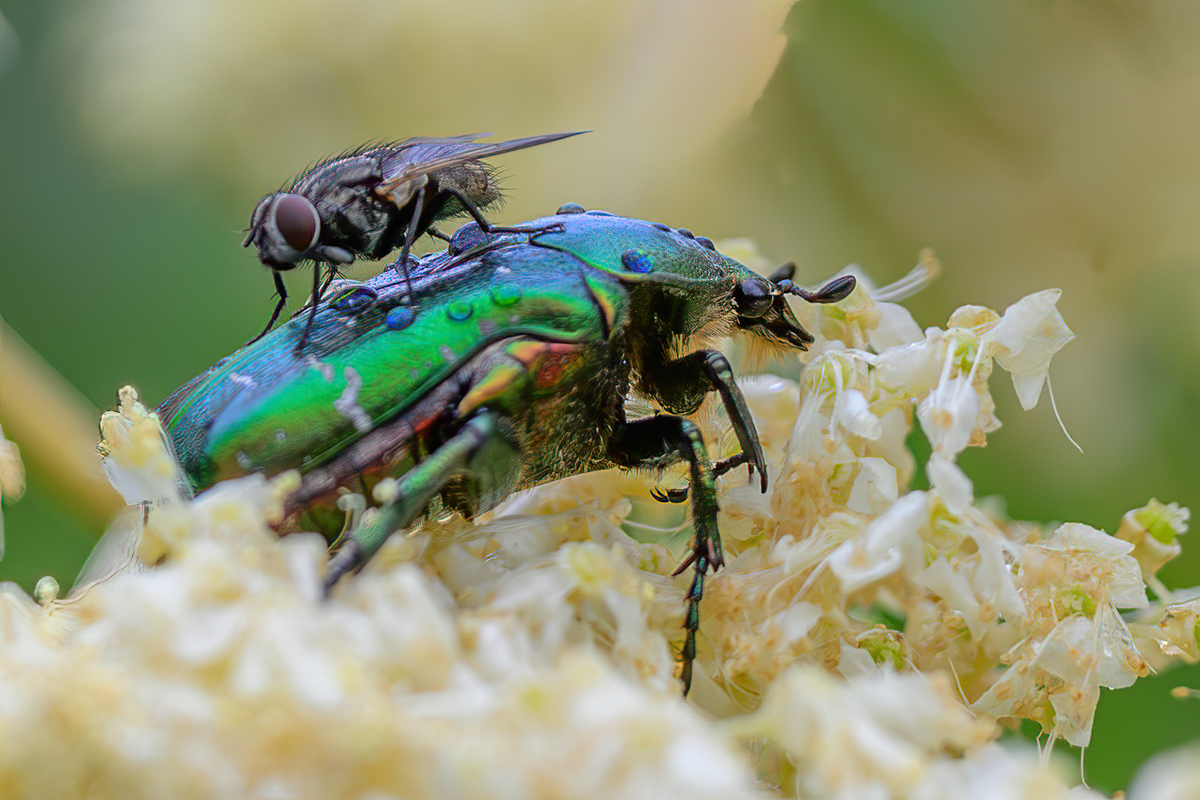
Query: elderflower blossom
(863, 641)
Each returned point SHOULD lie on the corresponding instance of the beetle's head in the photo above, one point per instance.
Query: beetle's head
(761, 308)
(285, 228)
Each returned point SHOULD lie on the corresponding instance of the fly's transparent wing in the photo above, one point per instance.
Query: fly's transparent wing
(413, 158)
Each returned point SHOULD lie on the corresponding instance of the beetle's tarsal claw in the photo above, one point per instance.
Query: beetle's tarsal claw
(670, 495)
(687, 562)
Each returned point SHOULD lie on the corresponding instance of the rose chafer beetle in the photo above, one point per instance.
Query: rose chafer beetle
(508, 366)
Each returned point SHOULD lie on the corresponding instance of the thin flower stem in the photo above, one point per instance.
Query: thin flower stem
(55, 426)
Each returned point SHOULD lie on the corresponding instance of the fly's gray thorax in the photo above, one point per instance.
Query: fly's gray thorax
(351, 213)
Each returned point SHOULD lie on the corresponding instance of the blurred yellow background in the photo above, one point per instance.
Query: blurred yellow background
(1032, 144)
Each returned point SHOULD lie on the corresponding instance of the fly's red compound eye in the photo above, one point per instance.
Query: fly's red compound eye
(297, 221)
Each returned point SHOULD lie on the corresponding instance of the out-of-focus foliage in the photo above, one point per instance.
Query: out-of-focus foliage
(1034, 145)
(249, 92)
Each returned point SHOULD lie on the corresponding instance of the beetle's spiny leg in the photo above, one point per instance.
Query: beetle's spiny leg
(281, 290)
(654, 442)
(716, 367)
(691, 624)
(472, 451)
(435, 233)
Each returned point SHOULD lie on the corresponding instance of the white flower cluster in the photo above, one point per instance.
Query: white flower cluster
(862, 641)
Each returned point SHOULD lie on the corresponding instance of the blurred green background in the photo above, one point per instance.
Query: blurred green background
(1031, 143)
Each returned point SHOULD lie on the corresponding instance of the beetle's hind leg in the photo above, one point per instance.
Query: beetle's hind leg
(658, 441)
(480, 451)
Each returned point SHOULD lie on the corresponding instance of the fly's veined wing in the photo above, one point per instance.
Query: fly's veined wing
(422, 156)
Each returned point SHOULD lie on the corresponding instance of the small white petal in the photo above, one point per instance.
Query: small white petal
(948, 416)
(875, 488)
(854, 414)
(941, 579)
(1027, 336)
(916, 367)
(951, 484)
(896, 327)
(888, 542)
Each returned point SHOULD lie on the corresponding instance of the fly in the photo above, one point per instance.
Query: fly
(371, 200)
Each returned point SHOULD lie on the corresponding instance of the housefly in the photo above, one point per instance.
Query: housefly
(368, 201)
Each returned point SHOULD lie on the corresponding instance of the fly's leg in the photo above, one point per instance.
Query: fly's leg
(410, 236)
(488, 227)
(281, 290)
(319, 288)
(481, 452)
(656, 442)
(719, 469)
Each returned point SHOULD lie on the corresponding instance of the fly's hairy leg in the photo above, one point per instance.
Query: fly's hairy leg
(410, 236)
(488, 227)
(281, 290)
(656, 442)
(319, 288)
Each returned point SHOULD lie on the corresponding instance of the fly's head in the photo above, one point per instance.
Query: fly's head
(286, 229)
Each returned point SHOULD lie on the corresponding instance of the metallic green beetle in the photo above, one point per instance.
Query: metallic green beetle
(507, 366)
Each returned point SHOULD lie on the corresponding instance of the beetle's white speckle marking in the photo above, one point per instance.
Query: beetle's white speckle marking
(347, 405)
(448, 354)
(503, 270)
(326, 370)
(241, 380)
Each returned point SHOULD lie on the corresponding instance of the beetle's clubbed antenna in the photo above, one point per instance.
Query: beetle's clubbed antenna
(835, 291)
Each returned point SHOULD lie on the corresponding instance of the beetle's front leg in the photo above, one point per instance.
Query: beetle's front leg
(656, 442)
(681, 385)
(480, 451)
